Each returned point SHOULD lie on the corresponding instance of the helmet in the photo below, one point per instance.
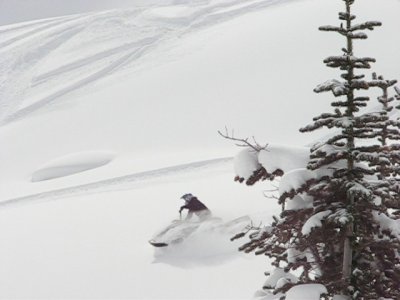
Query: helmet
(187, 197)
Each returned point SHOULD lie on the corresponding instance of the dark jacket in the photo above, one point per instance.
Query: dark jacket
(194, 204)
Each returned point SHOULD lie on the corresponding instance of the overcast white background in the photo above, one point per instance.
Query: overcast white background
(13, 11)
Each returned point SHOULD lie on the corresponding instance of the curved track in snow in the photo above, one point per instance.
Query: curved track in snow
(43, 61)
(127, 182)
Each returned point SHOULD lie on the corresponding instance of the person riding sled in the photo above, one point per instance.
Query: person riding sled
(194, 206)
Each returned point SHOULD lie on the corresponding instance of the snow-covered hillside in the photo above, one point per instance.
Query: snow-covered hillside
(115, 114)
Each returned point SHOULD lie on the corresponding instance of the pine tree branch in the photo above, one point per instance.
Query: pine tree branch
(367, 25)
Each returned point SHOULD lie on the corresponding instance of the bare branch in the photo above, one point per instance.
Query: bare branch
(271, 193)
(247, 229)
(243, 142)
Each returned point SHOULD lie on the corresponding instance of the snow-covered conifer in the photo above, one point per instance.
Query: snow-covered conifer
(384, 157)
(353, 197)
(341, 232)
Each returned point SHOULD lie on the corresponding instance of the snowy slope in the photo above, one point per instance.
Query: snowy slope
(93, 244)
(167, 70)
(151, 84)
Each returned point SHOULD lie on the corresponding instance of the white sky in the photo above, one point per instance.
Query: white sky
(14, 11)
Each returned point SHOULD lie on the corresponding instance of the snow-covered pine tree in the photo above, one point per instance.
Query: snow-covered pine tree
(386, 160)
(353, 198)
(343, 235)
(388, 129)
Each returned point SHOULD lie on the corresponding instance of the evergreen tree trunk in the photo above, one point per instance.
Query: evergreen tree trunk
(347, 249)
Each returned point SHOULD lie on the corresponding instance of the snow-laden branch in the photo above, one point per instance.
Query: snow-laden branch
(267, 164)
(346, 60)
(338, 88)
(350, 32)
(370, 25)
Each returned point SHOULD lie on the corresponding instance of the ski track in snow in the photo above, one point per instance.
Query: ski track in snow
(26, 47)
(127, 181)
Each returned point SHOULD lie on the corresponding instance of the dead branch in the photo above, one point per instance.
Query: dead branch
(243, 142)
(247, 229)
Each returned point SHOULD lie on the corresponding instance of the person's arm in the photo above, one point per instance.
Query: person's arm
(183, 207)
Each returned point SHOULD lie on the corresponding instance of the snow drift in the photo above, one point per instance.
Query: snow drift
(72, 164)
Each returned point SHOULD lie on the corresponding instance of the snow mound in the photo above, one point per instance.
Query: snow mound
(306, 291)
(277, 275)
(273, 158)
(246, 163)
(285, 158)
(72, 164)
